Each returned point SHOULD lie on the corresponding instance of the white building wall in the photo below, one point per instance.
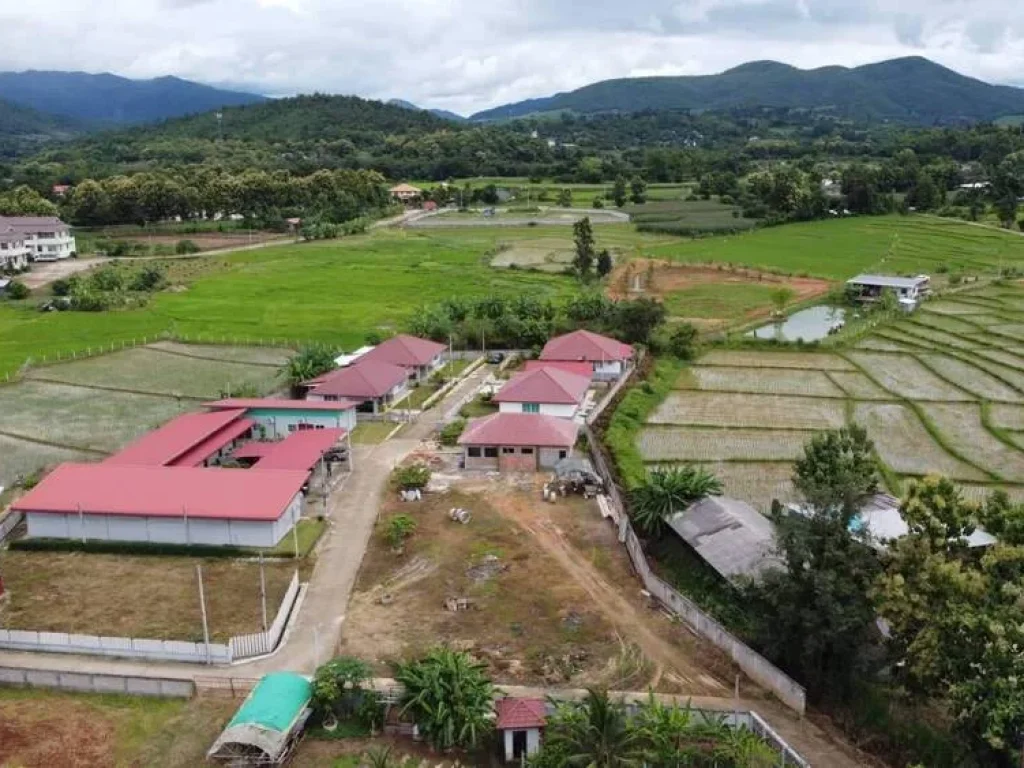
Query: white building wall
(60, 246)
(277, 424)
(550, 456)
(608, 369)
(560, 410)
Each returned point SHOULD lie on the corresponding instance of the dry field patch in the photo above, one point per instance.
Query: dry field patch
(948, 323)
(950, 307)
(742, 358)
(936, 337)
(1004, 357)
(152, 597)
(907, 377)
(20, 458)
(275, 356)
(979, 493)
(971, 378)
(905, 445)
(1005, 416)
(962, 426)
(859, 386)
(880, 344)
(726, 409)
(768, 381)
(668, 444)
(1012, 376)
(757, 483)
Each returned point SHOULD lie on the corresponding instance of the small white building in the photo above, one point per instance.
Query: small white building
(46, 237)
(520, 722)
(908, 290)
(549, 391)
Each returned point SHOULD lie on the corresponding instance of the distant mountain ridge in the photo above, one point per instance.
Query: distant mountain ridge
(442, 113)
(106, 99)
(911, 90)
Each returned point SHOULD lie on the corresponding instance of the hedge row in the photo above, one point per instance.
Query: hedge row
(138, 548)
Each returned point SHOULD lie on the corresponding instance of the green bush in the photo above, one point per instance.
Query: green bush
(17, 290)
(398, 529)
(185, 247)
(63, 286)
(133, 548)
(411, 476)
(451, 431)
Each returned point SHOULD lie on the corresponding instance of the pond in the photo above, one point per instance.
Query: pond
(809, 324)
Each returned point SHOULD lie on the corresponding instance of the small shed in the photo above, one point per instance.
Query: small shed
(520, 722)
(266, 728)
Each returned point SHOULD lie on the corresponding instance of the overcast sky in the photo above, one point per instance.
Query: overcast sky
(467, 55)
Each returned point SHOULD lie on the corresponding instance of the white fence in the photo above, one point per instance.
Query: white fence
(95, 683)
(121, 647)
(261, 643)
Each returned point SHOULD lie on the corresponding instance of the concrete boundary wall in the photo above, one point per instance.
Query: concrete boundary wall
(119, 647)
(261, 643)
(97, 683)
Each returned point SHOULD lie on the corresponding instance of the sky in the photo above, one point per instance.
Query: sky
(468, 55)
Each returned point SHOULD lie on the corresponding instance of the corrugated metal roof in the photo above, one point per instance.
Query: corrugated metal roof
(545, 385)
(585, 345)
(280, 404)
(729, 535)
(300, 450)
(404, 350)
(580, 368)
(214, 443)
(888, 281)
(111, 489)
(526, 429)
(365, 379)
(178, 436)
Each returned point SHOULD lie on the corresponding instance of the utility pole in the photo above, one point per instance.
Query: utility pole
(263, 592)
(202, 608)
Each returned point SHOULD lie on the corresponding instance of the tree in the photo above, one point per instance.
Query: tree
(667, 491)
(338, 684)
(814, 617)
(398, 529)
(565, 197)
(781, 297)
(594, 733)
(637, 191)
(925, 194)
(583, 239)
(412, 477)
(25, 201)
(619, 191)
(954, 617)
(604, 263)
(638, 319)
(309, 362)
(17, 290)
(449, 696)
(682, 342)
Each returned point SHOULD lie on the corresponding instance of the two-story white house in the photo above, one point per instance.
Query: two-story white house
(547, 391)
(46, 237)
(13, 249)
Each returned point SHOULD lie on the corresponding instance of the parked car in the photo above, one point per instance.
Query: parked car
(495, 358)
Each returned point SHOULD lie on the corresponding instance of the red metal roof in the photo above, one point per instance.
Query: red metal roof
(212, 444)
(365, 379)
(407, 351)
(585, 345)
(544, 385)
(300, 450)
(527, 429)
(112, 489)
(253, 450)
(516, 714)
(280, 404)
(580, 368)
(175, 438)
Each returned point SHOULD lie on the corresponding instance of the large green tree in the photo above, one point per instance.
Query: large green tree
(309, 362)
(594, 733)
(583, 242)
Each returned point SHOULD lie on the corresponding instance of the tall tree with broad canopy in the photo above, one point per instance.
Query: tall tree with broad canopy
(309, 362)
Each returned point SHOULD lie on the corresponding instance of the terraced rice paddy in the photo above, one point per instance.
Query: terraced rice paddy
(768, 381)
(906, 377)
(719, 409)
(668, 444)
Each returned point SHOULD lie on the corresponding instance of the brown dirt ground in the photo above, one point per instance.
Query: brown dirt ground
(670, 277)
(145, 596)
(551, 616)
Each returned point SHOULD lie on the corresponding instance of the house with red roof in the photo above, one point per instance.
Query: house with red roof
(520, 722)
(419, 357)
(549, 391)
(609, 358)
(374, 384)
(190, 440)
(517, 442)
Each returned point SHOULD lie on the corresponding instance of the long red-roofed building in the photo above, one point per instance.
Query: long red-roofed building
(608, 357)
(190, 440)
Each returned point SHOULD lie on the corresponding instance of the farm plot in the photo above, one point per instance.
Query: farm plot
(755, 482)
(1012, 376)
(979, 493)
(906, 341)
(935, 336)
(148, 371)
(961, 424)
(21, 458)
(955, 308)
(79, 417)
(971, 378)
(948, 323)
(905, 445)
(907, 377)
(553, 255)
(769, 381)
(1007, 416)
(859, 386)
(1003, 356)
(1013, 331)
(881, 344)
(668, 444)
(274, 356)
(814, 361)
(723, 409)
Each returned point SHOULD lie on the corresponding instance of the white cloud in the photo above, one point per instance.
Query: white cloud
(466, 55)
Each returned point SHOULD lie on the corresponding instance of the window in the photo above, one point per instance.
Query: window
(562, 454)
(473, 452)
(490, 453)
(291, 427)
(527, 451)
(531, 407)
(508, 451)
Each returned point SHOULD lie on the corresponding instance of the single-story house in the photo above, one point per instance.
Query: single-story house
(520, 722)
(580, 368)
(276, 417)
(729, 535)
(343, 361)
(267, 727)
(517, 442)
(375, 385)
(405, 193)
(164, 504)
(909, 290)
(190, 440)
(549, 391)
(420, 357)
(608, 357)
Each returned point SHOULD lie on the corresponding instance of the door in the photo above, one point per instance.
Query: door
(518, 744)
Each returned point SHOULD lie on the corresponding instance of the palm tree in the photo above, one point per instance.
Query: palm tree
(594, 733)
(667, 491)
(450, 697)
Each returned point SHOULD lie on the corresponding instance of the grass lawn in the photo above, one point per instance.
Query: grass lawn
(420, 395)
(309, 531)
(718, 300)
(153, 597)
(42, 729)
(478, 407)
(371, 432)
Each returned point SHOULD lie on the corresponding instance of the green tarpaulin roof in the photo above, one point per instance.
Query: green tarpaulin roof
(275, 702)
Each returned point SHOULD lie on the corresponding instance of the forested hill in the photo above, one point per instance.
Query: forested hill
(911, 90)
(22, 129)
(106, 99)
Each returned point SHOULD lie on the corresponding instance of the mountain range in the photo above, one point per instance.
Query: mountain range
(442, 113)
(908, 90)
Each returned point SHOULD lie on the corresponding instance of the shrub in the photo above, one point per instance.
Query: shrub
(17, 290)
(309, 362)
(184, 247)
(148, 279)
(63, 286)
(598, 202)
(682, 343)
(411, 476)
(337, 685)
(451, 431)
(398, 529)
